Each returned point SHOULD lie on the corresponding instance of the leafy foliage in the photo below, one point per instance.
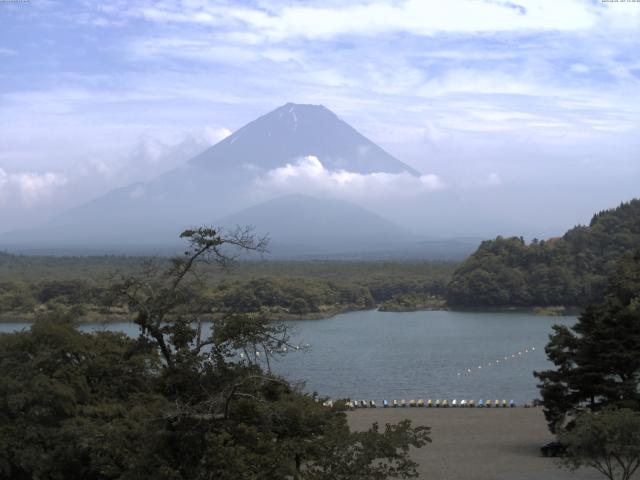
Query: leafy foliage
(179, 402)
(597, 360)
(608, 441)
(283, 289)
(570, 271)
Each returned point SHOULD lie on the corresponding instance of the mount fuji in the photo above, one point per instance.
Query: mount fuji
(218, 187)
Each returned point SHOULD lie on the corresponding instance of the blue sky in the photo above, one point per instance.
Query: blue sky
(525, 104)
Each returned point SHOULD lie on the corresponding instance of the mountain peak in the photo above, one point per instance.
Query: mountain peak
(293, 131)
(295, 113)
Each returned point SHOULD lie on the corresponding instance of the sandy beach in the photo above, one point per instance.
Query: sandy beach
(478, 444)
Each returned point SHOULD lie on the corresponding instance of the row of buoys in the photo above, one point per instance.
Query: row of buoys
(499, 361)
(283, 349)
(351, 404)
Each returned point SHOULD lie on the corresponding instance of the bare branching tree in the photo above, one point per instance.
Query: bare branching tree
(167, 303)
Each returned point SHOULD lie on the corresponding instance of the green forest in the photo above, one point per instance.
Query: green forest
(568, 271)
(174, 403)
(32, 286)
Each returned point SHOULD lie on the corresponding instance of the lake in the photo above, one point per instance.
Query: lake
(387, 355)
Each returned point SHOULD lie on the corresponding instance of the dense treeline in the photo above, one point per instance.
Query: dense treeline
(596, 361)
(177, 402)
(571, 270)
(32, 285)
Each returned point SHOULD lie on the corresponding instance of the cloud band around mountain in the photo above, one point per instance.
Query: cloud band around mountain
(309, 175)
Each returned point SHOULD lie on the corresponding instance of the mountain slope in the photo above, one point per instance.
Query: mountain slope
(293, 131)
(300, 222)
(571, 270)
(212, 185)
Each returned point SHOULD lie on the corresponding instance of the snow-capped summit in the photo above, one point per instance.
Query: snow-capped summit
(293, 131)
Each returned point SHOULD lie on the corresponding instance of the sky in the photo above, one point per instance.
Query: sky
(530, 109)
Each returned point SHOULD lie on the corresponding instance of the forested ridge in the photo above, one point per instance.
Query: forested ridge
(30, 286)
(570, 270)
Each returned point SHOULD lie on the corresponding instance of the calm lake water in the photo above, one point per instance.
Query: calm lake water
(386, 355)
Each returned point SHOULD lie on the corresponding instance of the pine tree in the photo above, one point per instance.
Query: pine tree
(598, 359)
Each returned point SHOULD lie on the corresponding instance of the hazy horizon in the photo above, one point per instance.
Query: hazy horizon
(521, 117)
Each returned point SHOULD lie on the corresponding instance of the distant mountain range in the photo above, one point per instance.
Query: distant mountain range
(217, 188)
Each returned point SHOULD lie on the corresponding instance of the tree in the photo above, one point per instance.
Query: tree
(183, 401)
(608, 441)
(598, 359)
(570, 270)
(74, 406)
(299, 306)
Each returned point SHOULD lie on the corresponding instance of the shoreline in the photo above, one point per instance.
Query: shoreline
(98, 318)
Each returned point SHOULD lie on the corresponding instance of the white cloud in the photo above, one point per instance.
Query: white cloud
(28, 188)
(213, 135)
(579, 68)
(309, 175)
(317, 20)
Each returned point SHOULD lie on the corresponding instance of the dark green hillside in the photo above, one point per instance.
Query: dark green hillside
(32, 285)
(570, 270)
